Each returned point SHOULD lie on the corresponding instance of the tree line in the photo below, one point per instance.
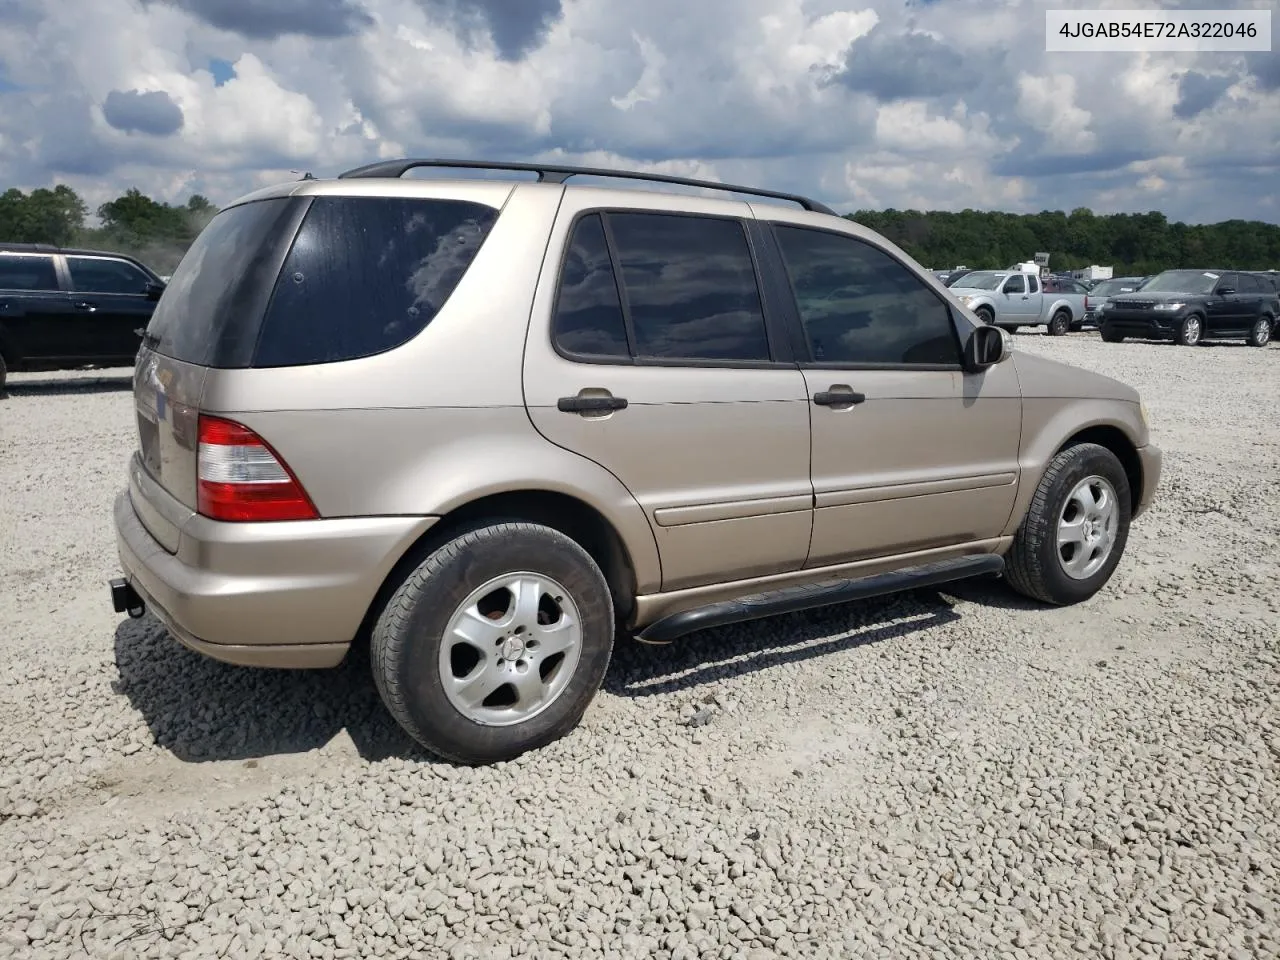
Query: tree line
(133, 223)
(1141, 243)
(1132, 243)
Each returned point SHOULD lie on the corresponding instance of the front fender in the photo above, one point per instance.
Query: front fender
(1049, 422)
(987, 302)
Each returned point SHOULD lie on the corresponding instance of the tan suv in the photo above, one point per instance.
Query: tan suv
(489, 425)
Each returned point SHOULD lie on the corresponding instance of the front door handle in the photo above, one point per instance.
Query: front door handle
(839, 395)
(88, 307)
(590, 404)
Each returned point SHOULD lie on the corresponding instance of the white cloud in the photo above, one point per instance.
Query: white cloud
(1049, 105)
(954, 104)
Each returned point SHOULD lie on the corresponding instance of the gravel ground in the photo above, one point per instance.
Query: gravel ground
(954, 774)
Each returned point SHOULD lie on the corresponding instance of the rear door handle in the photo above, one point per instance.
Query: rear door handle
(581, 404)
(839, 395)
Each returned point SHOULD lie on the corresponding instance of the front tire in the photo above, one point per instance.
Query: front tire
(1110, 336)
(1076, 529)
(986, 315)
(1190, 331)
(1260, 335)
(496, 644)
(1059, 323)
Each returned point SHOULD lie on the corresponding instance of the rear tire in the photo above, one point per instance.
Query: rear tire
(1059, 323)
(515, 609)
(1190, 331)
(1260, 335)
(4, 374)
(1076, 529)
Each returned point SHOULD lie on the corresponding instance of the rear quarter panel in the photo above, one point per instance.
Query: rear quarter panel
(440, 421)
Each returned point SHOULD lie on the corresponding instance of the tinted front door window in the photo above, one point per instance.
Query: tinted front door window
(858, 305)
(100, 275)
(690, 287)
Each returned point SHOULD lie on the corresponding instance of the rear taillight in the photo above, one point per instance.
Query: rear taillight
(242, 479)
(1086, 302)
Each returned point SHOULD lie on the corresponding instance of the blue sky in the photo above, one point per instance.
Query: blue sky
(941, 105)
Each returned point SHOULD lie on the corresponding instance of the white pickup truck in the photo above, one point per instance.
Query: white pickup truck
(1015, 298)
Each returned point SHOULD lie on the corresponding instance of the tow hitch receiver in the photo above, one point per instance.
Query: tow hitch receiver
(125, 599)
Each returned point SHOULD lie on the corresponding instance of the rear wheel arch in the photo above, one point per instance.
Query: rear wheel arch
(569, 515)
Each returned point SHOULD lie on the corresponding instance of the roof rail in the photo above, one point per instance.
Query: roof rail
(557, 173)
(30, 247)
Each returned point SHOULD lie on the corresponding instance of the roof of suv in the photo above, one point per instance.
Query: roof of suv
(546, 173)
(48, 248)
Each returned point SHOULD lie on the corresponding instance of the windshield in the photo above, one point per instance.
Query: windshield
(1182, 281)
(981, 280)
(1109, 288)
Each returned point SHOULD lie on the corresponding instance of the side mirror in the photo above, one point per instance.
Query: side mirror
(986, 346)
(153, 290)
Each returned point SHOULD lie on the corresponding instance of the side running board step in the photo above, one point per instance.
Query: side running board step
(810, 596)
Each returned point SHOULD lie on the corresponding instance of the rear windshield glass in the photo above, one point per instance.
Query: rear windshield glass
(365, 274)
(209, 309)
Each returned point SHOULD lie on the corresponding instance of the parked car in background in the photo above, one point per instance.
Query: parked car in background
(62, 308)
(1269, 277)
(950, 278)
(1099, 292)
(517, 421)
(1074, 292)
(1013, 299)
(1194, 306)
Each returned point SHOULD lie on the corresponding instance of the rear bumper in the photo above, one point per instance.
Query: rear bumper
(264, 594)
(1152, 462)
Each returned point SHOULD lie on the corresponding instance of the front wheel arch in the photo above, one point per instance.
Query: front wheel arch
(1115, 440)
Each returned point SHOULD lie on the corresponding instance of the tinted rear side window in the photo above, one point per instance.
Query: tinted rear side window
(27, 273)
(690, 287)
(211, 308)
(588, 318)
(366, 274)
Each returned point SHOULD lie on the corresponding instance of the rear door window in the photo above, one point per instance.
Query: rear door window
(365, 274)
(27, 272)
(589, 320)
(690, 287)
(106, 275)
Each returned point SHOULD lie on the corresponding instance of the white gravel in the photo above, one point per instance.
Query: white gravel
(934, 775)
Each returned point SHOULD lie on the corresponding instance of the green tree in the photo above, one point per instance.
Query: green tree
(43, 216)
(137, 216)
(1131, 243)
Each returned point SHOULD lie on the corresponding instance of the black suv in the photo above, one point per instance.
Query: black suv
(1193, 306)
(63, 308)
